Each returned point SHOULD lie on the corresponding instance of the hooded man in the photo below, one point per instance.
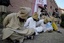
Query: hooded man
(32, 23)
(14, 25)
(48, 26)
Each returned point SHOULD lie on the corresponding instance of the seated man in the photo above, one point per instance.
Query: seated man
(49, 27)
(14, 25)
(40, 24)
(32, 23)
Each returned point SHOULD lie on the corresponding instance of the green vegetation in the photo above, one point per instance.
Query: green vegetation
(62, 21)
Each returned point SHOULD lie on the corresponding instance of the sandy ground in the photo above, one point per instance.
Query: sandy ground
(53, 37)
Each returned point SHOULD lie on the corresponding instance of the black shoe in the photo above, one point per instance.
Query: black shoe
(54, 30)
(15, 41)
(59, 32)
(30, 37)
(41, 32)
(49, 31)
(34, 34)
(9, 40)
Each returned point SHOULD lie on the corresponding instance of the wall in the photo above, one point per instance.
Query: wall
(62, 11)
(30, 3)
(19, 3)
(51, 5)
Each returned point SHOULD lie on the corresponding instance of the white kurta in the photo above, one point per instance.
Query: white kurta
(30, 23)
(37, 26)
(41, 25)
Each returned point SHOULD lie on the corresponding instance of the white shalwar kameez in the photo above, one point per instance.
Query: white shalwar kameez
(30, 23)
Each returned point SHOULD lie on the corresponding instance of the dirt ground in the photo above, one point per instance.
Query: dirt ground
(53, 37)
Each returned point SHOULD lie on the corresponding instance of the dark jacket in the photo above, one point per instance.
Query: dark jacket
(5, 2)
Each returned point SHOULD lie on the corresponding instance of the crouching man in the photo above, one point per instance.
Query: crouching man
(14, 25)
(32, 23)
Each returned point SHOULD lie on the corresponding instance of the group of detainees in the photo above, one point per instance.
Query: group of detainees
(18, 27)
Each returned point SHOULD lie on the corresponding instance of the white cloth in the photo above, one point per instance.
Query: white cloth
(30, 23)
(39, 29)
(37, 26)
(40, 25)
(44, 2)
(48, 27)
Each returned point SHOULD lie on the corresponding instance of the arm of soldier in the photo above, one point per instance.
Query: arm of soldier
(6, 20)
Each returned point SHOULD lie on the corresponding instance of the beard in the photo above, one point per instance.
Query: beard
(21, 20)
(35, 20)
